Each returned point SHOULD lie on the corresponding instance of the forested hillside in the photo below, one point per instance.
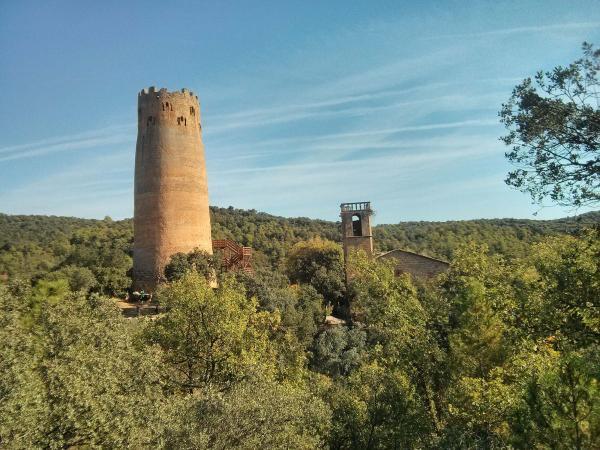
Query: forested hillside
(509, 237)
(498, 352)
(31, 246)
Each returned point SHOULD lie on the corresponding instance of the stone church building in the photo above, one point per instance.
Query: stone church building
(357, 234)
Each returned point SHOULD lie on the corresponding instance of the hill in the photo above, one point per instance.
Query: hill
(509, 237)
(33, 245)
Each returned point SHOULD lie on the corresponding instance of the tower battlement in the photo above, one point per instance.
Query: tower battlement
(176, 108)
(164, 92)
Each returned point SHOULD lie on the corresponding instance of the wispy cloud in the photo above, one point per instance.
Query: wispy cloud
(337, 144)
(407, 107)
(520, 30)
(388, 161)
(79, 141)
(370, 90)
(320, 184)
(291, 108)
(386, 131)
(87, 185)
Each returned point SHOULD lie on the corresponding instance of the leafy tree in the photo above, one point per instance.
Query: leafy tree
(560, 402)
(79, 375)
(401, 331)
(474, 272)
(211, 337)
(311, 314)
(267, 286)
(302, 312)
(477, 343)
(378, 408)
(33, 246)
(554, 133)
(254, 415)
(105, 250)
(381, 301)
(47, 291)
(79, 278)
(74, 376)
(499, 352)
(337, 351)
(197, 261)
(480, 412)
(567, 289)
(319, 263)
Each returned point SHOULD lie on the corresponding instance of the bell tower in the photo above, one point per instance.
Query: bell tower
(356, 227)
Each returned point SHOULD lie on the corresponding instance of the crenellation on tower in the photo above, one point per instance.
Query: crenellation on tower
(164, 91)
(177, 108)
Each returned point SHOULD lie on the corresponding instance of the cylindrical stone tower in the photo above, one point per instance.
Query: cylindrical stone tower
(171, 194)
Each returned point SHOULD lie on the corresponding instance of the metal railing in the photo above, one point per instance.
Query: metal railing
(356, 206)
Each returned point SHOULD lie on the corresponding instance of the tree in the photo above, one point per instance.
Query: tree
(253, 415)
(562, 297)
(211, 337)
(477, 344)
(378, 408)
(387, 305)
(79, 278)
(197, 260)
(320, 263)
(560, 399)
(105, 249)
(337, 351)
(71, 375)
(554, 133)
(305, 315)
(479, 413)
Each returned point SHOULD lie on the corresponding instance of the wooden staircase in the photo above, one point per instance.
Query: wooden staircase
(235, 257)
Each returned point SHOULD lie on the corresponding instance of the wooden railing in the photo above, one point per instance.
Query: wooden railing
(235, 257)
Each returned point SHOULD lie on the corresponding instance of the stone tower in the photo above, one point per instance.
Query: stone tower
(171, 195)
(356, 227)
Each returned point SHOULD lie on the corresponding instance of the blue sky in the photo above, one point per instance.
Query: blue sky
(304, 104)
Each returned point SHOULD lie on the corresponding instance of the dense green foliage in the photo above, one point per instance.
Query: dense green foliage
(511, 238)
(197, 260)
(501, 351)
(75, 373)
(33, 246)
(495, 353)
(319, 264)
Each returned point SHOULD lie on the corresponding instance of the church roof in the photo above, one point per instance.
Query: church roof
(399, 250)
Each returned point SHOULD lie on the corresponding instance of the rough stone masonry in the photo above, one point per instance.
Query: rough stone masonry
(171, 191)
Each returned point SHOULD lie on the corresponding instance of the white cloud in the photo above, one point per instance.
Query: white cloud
(524, 29)
(92, 188)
